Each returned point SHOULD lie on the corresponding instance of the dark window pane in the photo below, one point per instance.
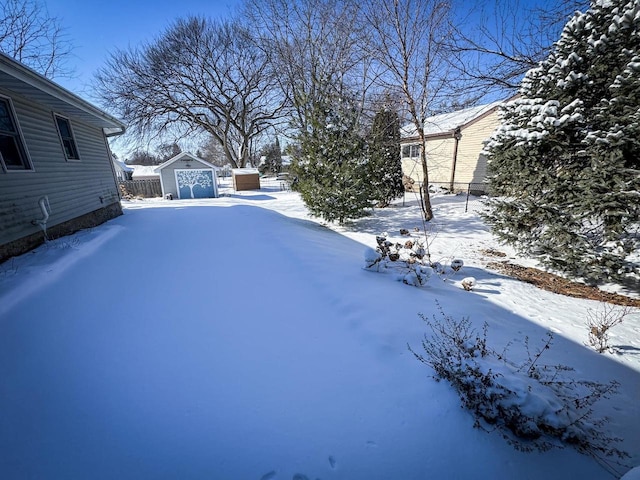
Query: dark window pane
(10, 152)
(63, 126)
(68, 143)
(6, 124)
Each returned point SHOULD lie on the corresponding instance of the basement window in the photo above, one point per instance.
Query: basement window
(67, 138)
(13, 155)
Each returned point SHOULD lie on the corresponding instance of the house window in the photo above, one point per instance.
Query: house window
(13, 155)
(411, 151)
(66, 137)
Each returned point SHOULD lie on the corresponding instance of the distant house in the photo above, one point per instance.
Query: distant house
(454, 144)
(122, 170)
(144, 172)
(56, 173)
(187, 176)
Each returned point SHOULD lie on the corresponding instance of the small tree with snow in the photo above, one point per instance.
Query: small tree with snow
(565, 164)
(385, 169)
(330, 169)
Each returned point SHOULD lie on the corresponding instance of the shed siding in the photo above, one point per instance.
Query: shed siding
(186, 162)
(74, 188)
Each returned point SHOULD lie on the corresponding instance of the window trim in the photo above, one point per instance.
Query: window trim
(22, 145)
(77, 158)
(411, 147)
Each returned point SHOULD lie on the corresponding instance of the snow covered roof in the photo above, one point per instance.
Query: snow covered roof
(122, 166)
(181, 156)
(448, 122)
(245, 171)
(143, 171)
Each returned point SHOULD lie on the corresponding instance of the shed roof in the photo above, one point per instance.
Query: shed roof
(245, 171)
(180, 156)
(35, 87)
(448, 122)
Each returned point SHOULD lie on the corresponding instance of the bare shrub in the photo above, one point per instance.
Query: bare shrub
(599, 322)
(535, 406)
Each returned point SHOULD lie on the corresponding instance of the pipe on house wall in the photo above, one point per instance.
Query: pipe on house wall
(45, 208)
(457, 135)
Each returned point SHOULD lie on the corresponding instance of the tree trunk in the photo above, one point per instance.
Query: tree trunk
(427, 211)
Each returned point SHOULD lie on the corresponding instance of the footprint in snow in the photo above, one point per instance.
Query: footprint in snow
(268, 476)
(300, 476)
(332, 461)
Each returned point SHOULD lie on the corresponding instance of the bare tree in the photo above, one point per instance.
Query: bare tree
(408, 43)
(198, 76)
(315, 47)
(30, 35)
(497, 42)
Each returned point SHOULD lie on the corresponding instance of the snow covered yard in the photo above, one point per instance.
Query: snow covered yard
(235, 338)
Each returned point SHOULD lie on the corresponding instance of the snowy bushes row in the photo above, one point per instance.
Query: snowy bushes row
(533, 405)
(410, 259)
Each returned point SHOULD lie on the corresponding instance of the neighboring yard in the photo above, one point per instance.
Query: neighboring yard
(235, 338)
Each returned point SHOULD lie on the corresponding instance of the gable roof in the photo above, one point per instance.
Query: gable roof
(180, 156)
(35, 87)
(449, 122)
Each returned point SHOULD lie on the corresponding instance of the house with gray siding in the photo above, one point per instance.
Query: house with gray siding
(56, 173)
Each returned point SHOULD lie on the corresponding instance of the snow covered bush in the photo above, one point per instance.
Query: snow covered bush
(533, 405)
(564, 167)
(409, 258)
(468, 283)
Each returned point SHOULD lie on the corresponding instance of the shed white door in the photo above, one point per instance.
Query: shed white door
(195, 183)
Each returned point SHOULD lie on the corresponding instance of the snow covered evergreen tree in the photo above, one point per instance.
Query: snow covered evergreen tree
(565, 164)
(385, 168)
(330, 171)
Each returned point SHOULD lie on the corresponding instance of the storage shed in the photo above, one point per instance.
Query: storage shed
(187, 176)
(245, 179)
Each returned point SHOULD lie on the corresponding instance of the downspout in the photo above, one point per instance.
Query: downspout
(45, 208)
(457, 135)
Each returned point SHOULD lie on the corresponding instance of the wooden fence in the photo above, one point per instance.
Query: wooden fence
(146, 188)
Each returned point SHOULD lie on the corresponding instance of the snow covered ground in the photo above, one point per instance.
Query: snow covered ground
(237, 338)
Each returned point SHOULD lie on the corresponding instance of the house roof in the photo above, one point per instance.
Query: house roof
(449, 122)
(35, 87)
(245, 171)
(180, 156)
(140, 171)
(123, 166)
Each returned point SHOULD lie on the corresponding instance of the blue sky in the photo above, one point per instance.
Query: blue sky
(97, 28)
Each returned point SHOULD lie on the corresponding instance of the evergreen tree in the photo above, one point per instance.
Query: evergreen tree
(385, 167)
(272, 155)
(330, 170)
(565, 164)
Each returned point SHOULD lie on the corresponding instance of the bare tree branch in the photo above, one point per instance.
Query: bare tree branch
(30, 35)
(199, 76)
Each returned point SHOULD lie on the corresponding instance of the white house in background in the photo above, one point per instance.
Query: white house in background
(187, 176)
(454, 144)
(56, 173)
(144, 172)
(122, 170)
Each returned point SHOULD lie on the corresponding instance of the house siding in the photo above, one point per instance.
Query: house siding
(74, 188)
(471, 165)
